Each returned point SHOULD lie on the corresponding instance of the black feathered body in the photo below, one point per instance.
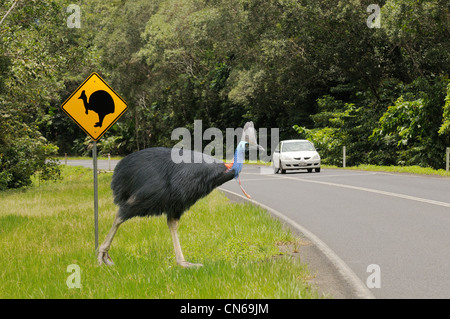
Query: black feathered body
(148, 182)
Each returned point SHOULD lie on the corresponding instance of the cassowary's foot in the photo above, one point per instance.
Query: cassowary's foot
(186, 264)
(103, 258)
(98, 124)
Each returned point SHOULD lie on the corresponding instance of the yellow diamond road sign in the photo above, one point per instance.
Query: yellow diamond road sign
(94, 106)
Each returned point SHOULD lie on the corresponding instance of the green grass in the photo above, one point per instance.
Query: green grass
(396, 169)
(45, 229)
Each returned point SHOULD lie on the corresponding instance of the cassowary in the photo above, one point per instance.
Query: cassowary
(100, 102)
(149, 183)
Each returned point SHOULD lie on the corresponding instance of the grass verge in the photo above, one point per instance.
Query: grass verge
(45, 229)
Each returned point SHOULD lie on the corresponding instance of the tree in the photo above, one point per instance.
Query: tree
(445, 127)
(29, 66)
(419, 30)
(411, 125)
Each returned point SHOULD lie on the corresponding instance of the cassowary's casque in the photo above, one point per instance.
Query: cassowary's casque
(149, 182)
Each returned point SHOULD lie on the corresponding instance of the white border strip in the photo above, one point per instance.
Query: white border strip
(359, 289)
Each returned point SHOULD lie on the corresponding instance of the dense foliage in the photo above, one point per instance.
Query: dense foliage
(313, 68)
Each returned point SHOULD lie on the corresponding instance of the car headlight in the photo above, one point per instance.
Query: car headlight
(316, 157)
(286, 158)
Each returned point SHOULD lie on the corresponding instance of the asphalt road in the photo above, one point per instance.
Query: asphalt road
(397, 223)
(101, 164)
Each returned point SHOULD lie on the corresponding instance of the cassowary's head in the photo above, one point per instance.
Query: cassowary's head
(242, 146)
(248, 141)
(249, 137)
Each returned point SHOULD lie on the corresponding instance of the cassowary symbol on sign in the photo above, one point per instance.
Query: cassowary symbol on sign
(149, 183)
(100, 102)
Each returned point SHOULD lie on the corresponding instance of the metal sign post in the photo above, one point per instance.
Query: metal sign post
(344, 157)
(94, 158)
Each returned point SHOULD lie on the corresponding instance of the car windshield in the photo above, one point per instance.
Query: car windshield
(297, 146)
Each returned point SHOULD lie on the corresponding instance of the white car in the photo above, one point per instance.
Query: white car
(295, 154)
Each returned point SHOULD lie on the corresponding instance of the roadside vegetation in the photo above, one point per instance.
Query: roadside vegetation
(315, 69)
(46, 228)
(397, 169)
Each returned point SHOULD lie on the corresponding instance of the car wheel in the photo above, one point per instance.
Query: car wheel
(309, 170)
(318, 170)
(283, 171)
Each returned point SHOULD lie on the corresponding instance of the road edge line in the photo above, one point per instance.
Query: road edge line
(359, 289)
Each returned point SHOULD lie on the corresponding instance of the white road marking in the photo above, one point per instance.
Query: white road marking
(256, 179)
(313, 175)
(364, 189)
(325, 176)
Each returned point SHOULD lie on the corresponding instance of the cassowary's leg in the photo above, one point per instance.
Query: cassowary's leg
(103, 256)
(173, 226)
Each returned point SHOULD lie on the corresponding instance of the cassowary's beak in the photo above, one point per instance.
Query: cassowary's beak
(255, 147)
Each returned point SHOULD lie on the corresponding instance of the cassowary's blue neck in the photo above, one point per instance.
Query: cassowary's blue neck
(239, 157)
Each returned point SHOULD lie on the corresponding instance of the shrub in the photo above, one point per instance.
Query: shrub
(24, 152)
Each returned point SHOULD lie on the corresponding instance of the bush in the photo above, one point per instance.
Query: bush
(24, 152)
